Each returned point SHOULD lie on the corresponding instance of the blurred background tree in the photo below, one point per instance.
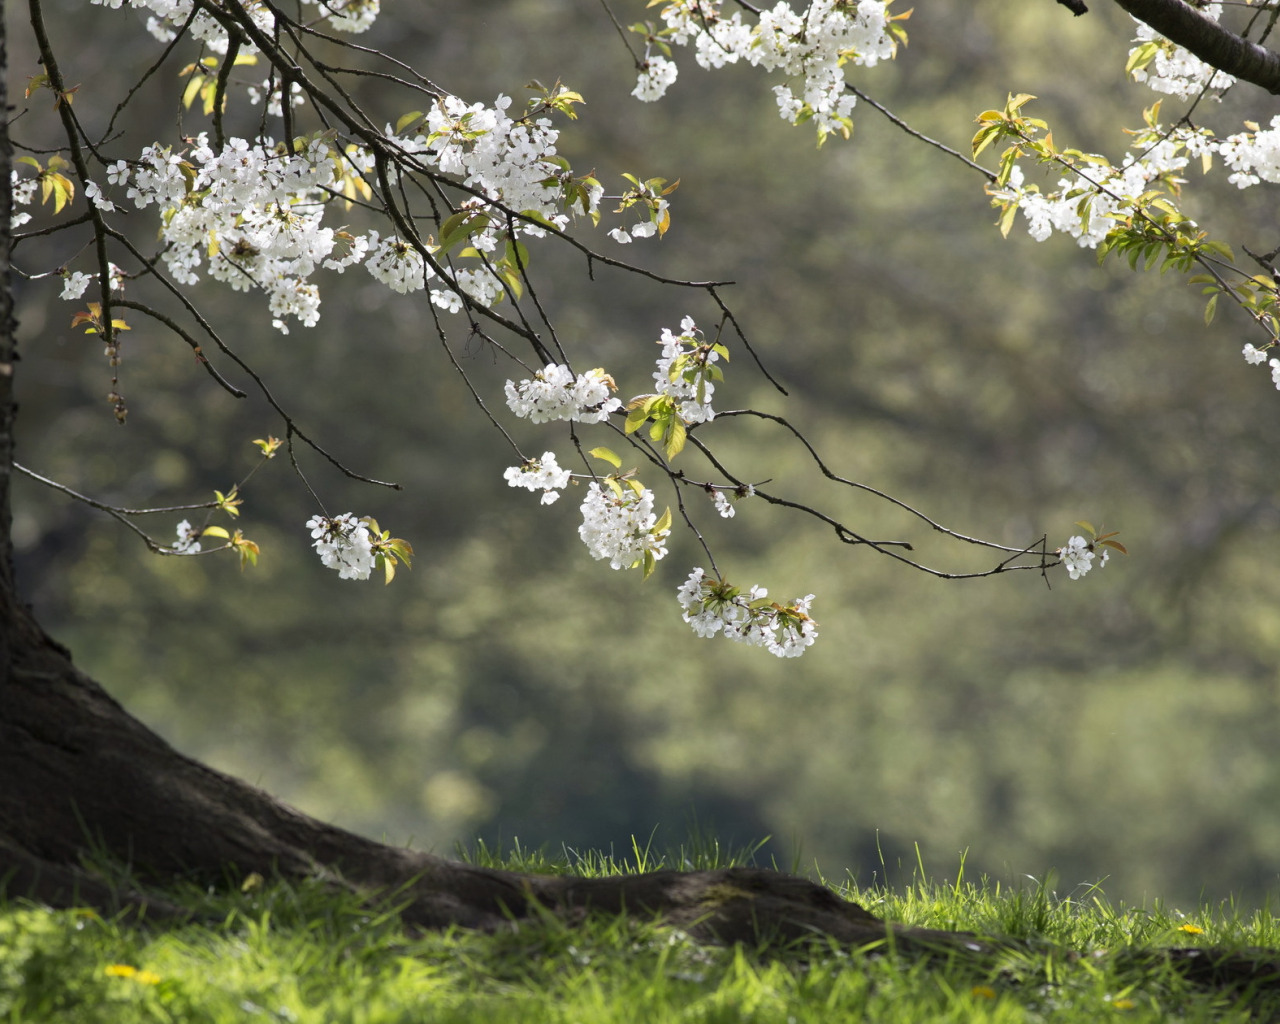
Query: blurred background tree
(1117, 728)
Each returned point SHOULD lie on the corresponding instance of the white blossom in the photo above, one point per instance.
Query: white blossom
(554, 393)
(75, 284)
(542, 474)
(621, 527)
(187, 542)
(343, 543)
(397, 264)
(712, 606)
(684, 372)
(1076, 556)
(93, 193)
(1253, 355)
(1174, 70)
(810, 48)
(655, 78)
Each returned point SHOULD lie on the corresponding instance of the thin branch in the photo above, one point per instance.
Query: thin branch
(118, 513)
(989, 175)
(177, 329)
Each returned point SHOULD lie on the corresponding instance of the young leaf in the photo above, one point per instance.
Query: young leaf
(608, 455)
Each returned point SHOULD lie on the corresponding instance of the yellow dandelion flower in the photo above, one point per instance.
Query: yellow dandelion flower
(126, 971)
(983, 992)
(1124, 1004)
(1191, 929)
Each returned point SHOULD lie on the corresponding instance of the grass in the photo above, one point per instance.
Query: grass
(301, 953)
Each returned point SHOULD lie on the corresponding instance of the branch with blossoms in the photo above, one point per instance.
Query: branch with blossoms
(455, 200)
(191, 540)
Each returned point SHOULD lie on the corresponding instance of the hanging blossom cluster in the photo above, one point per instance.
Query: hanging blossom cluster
(251, 210)
(1078, 556)
(810, 47)
(723, 498)
(166, 17)
(713, 606)
(251, 214)
(1253, 156)
(542, 474)
(257, 210)
(1168, 68)
(1257, 356)
(343, 543)
(556, 393)
(188, 542)
(1110, 191)
(686, 371)
(619, 524)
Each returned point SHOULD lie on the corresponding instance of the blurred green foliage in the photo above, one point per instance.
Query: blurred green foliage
(1123, 726)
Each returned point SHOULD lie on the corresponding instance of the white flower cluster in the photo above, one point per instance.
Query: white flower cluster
(1112, 189)
(507, 159)
(1175, 71)
(75, 284)
(712, 607)
(656, 76)
(722, 495)
(343, 543)
(621, 527)
(1078, 557)
(643, 229)
(23, 191)
(1252, 156)
(542, 474)
(187, 541)
(811, 46)
(1253, 356)
(555, 393)
(1163, 155)
(270, 96)
(684, 372)
(167, 16)
(255, 211)
(397, 264)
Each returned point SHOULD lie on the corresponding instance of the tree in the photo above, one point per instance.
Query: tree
(464, 194)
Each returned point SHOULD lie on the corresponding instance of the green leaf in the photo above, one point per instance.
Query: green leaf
(636, 418)
(215, 531)
(1210, 308)
(673, 441)
(608, 455)
(650, 563)
(1084, 524)
(1007, 217)
(408, 119)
